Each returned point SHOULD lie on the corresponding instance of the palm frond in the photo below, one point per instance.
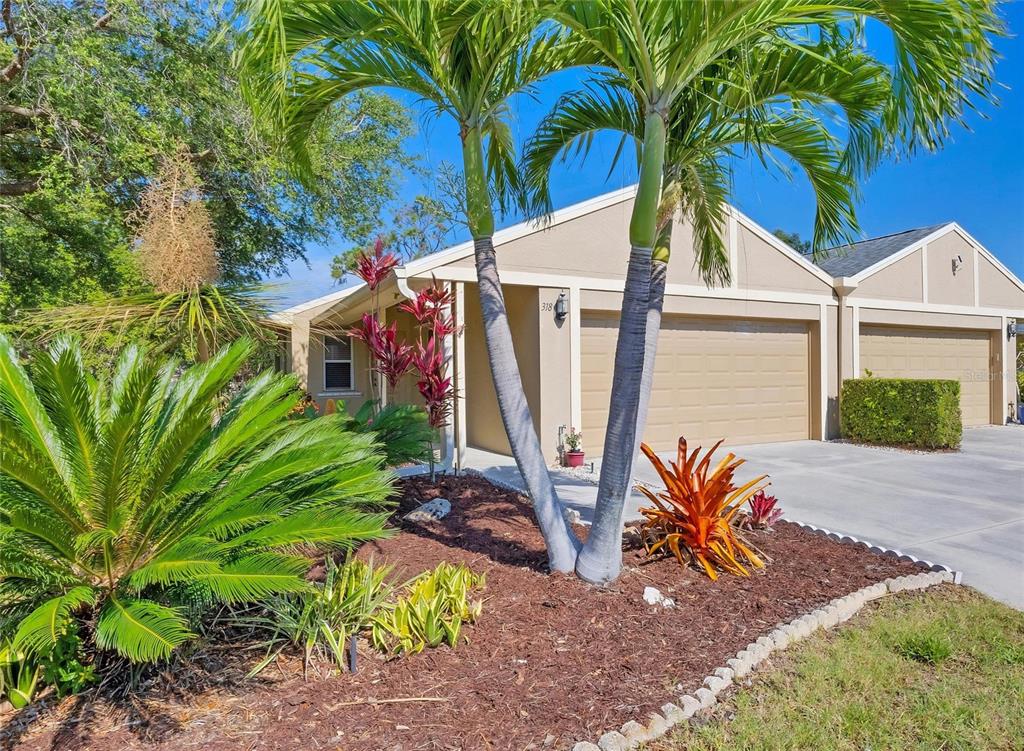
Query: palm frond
(568, 133)
(140, 630)
(254, 577)
(164, 496)
(43, 627)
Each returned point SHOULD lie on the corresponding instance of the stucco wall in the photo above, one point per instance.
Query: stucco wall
(995, 289)
(944, 286)
(595, 245)
(833, 344)
(353, 398)
(484, 428)
(902, 280)
(762, 266)
(554, 369)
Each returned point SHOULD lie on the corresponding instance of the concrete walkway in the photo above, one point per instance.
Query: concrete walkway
(963, 509)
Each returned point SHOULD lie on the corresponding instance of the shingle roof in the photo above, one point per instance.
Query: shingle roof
(848, 260)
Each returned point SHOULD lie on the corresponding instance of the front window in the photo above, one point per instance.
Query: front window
(337, 363)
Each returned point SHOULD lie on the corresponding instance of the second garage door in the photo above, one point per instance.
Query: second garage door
(891, 352)
(744, 381)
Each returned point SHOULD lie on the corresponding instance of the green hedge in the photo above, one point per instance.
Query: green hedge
(924, 413)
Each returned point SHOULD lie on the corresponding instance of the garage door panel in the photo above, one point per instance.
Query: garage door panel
(741, 380)
(892, 352)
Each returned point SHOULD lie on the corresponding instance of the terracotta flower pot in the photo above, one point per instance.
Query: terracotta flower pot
(573, 458)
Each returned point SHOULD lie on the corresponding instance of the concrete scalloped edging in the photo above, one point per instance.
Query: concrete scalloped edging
(878, 550)
(841, 609)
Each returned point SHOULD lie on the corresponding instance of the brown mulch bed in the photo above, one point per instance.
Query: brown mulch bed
(551, 661)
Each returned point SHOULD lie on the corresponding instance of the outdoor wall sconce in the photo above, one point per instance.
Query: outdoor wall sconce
(1011, 329)
(561, 307)
(958, 261)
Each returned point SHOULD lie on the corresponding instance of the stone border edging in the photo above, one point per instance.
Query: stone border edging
(841, 609)
(879, 550)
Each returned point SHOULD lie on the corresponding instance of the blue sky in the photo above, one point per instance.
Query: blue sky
(976, 180)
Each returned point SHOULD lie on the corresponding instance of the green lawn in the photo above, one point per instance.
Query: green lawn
(937, 670)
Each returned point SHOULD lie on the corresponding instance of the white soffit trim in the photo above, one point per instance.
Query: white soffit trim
(776, 243)
(920, 307)
(516, 231)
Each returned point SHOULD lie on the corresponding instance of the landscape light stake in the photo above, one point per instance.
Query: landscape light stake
(352, 653)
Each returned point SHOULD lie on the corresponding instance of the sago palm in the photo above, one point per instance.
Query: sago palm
(118, 497)
(465, 59)
(658, 51)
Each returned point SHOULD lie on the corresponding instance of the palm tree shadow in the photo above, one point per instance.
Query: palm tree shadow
(151, 711)
(485, 520)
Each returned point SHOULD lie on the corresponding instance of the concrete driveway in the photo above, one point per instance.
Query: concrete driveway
(964, 509)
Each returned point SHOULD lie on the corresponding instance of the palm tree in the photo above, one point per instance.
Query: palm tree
(127, 498)
(466, 59)
(657, 53)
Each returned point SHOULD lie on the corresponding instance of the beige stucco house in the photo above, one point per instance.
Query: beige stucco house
(759, 360)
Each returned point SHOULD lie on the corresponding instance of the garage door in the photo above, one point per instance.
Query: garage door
(744, 381)
(890, 352)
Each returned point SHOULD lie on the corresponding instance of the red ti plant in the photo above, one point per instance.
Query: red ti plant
(430, 303)
(763, 511)
(434, 385)
(374, 266)
(429, 308)
(391, 357)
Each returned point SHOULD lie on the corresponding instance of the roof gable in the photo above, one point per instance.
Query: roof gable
(850, 260)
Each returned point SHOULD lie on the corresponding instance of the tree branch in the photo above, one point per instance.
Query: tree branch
(17, 64)
(19, 188)
(14, 109)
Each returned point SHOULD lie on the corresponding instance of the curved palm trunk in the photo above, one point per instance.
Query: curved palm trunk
(601, 558)
(562, 545)
(655, 303)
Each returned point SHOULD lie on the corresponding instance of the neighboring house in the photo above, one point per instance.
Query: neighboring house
(759, 360)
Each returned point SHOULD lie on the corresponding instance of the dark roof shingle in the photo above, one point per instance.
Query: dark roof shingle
(848, 260)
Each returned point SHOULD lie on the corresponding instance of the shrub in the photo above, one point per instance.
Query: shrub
(693, 517)
(320, 620)
(431, 612)
(402, 430)
(924, 413)
(118, 498)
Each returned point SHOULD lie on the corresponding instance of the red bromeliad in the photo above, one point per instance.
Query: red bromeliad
(390, 356)
(763, 513)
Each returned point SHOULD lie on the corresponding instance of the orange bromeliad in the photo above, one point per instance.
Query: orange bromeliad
(696, 510)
